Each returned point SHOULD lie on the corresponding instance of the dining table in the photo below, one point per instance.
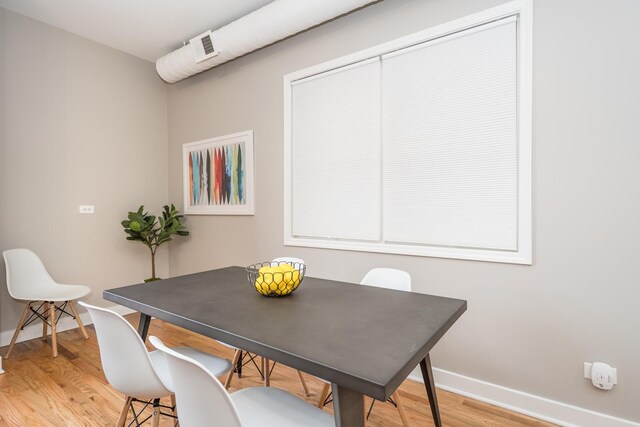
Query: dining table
(364, 340)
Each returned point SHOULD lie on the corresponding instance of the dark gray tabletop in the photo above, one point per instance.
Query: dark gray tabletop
(364, 338)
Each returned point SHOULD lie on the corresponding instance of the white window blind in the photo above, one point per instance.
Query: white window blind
(450, 174)
(336, 165)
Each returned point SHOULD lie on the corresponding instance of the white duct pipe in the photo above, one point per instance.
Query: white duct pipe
(273, 22)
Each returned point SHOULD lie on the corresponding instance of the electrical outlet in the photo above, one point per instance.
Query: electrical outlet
(86, 209)
(602, 376)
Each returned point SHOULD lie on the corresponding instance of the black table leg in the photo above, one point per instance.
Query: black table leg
(143, 325)
(427, 376)
(348, 407)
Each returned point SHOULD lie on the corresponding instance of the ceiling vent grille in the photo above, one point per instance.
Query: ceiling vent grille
(202, 47)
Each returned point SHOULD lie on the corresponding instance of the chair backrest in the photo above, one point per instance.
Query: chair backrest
(201, 399)
(389, 278)
(27, 278)
(290, 260)
(125, 359)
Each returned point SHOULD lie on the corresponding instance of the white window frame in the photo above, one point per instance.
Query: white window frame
(523, 255)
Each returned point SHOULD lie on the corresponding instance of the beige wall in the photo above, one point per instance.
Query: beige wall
(80, 123)
(77, 120)
(527, 327)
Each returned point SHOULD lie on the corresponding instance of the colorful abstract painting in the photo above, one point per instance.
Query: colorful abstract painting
(218, 175)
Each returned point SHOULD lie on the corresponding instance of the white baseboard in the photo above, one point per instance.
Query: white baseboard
(35, 329)
(528, 404)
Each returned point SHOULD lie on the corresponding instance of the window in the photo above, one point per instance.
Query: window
(420, 146)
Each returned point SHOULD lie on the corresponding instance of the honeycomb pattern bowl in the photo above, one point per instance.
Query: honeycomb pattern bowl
(275, 279)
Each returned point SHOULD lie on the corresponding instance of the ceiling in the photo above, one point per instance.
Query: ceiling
(147, 29)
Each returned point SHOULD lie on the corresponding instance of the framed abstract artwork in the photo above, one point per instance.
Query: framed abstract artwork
(218, 175)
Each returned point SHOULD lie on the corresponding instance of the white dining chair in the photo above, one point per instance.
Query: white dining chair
(288, 259)
(388, 278)
(140, 375)
(204, 401)
(266, 368)
(29, 281)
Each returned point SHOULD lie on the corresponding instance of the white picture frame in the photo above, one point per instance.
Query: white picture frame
(218, 175)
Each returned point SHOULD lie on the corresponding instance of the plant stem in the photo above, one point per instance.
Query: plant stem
(153, 264)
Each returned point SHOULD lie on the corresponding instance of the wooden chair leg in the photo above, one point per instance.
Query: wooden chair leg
(44, 321)
(265, 370)
(173, 405)
(323, 394)
(77, 316)
(403, 415)
(234, 363)
(18, 329)
(304, 383)
(155, 418)
(52, 320)
(123, 414)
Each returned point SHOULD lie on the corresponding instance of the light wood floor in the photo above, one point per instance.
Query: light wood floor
(71, 390)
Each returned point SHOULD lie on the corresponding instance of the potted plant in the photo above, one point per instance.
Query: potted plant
(154, 231)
